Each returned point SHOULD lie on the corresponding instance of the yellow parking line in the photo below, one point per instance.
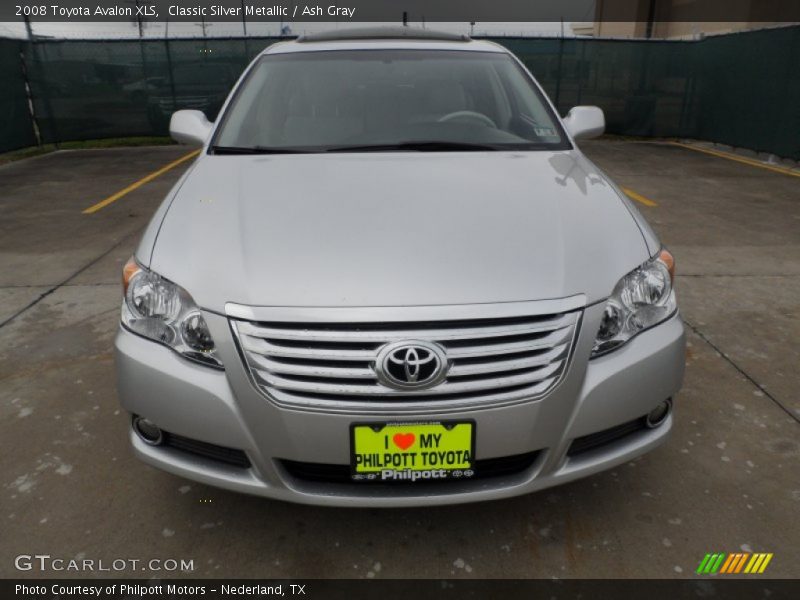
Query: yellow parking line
(638, 197)
(123, 192)
(739, 159)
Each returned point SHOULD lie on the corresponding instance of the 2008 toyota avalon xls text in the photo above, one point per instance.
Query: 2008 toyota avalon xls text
(391, 278)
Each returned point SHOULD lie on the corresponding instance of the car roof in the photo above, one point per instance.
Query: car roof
(382, 38)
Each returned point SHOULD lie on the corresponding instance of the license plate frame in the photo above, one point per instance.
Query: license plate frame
(419, 468)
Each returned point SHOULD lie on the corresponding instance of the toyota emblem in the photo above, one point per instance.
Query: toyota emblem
(411, 365)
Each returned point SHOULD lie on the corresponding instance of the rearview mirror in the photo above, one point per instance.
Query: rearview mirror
(585, 122)
(189, 127)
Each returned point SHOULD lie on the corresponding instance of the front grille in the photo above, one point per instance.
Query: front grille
(484, 469)
(332, 365)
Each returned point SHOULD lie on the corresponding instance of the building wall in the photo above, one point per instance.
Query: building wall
(683, 29)
(673, 19)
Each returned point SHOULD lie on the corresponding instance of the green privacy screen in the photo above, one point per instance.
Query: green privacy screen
(100, 89)
(740, 89)
(16, 128)
(749, 91)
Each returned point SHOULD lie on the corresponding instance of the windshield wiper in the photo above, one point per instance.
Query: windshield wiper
(410, 146)
(420, 146)
(258, 150)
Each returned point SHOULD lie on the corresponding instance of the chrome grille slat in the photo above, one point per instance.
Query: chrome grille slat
(331, 366)
(513, 364)
(558, 336)
(343, 389)
(265, 364)
(259, 346)
(419, 403)
(381, 337)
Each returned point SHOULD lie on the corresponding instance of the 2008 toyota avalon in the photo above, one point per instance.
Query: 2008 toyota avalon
(391, 278)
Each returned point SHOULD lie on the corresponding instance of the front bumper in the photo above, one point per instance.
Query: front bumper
(223, 408)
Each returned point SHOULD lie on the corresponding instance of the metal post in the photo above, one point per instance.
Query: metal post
(651, 17)
(204, 26)
(29, 93)
(142, 52)
(558, 70)
(37, 60)
(580, 71)
(169, 64)
(244, 29)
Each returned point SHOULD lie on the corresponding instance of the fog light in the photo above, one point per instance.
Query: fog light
(659, 414)
(147, 431)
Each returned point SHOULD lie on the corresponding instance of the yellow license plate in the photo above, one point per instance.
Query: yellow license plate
(411, 452)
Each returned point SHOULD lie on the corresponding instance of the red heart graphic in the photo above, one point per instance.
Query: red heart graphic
(404, 441)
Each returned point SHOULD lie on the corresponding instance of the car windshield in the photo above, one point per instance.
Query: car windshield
(362, 100)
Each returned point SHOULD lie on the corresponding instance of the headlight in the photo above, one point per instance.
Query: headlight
(161, 311)
(641, 299)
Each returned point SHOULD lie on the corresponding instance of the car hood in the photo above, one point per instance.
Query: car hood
(396, 229)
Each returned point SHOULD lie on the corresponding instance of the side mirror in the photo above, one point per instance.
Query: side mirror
(585, 122)
(189, 127)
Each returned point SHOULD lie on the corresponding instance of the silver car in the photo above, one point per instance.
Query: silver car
(392, 279)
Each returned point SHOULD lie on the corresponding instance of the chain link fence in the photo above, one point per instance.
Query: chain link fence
(740, 89)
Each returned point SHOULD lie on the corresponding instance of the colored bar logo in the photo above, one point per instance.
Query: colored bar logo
(737, 562)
